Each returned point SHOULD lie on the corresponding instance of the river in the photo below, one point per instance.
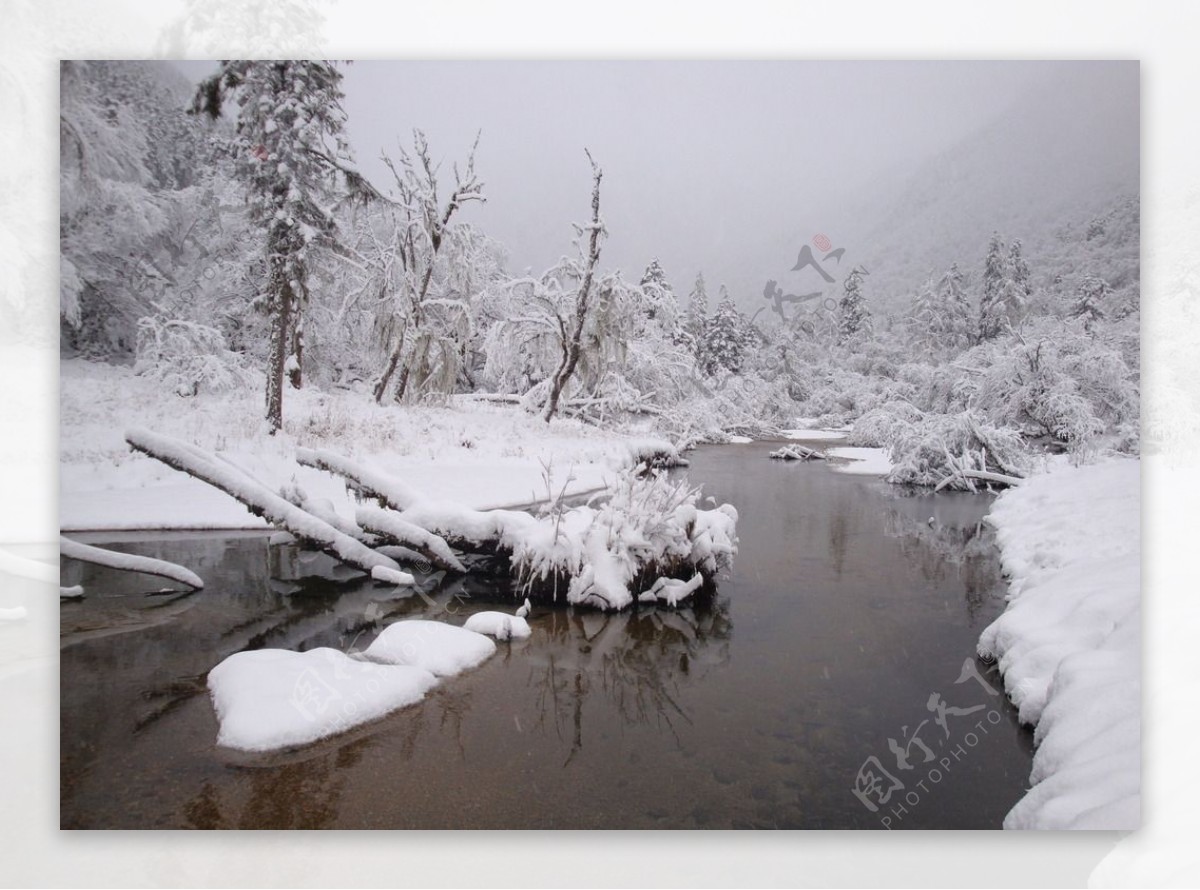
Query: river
(850, 618)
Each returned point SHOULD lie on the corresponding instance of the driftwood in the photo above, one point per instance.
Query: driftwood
(963, 473)
(797, 452)
(127, 562)
(261, 501)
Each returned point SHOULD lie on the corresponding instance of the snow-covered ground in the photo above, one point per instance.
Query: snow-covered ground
(806, 435)
(1069, 643)
(861, 461)
(474, 454)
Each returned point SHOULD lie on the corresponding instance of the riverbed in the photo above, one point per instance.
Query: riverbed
(850, 618)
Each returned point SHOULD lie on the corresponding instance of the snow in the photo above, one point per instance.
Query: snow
(478, 455)
(392, 524)
(392, 576)
(442, 649)
(671, 590)
(227, 476)
(272, 698)
(500, 625)
(16, 613)
(815, 435)
(24, 567)
(128, 562)
(861, 461)
(1068, 644)
(740, 440)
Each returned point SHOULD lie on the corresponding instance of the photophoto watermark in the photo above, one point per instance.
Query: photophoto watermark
(916, 766)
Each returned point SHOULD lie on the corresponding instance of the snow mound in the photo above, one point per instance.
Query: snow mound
(500, 625)
(272, 698)
(1068, 643)
(442, 649)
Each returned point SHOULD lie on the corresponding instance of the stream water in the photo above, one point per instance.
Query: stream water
(850, 618)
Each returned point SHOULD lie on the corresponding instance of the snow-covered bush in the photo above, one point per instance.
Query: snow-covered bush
(882, 426)
(189, 357)
(650, 527)
(929, 451)
(1064, 384)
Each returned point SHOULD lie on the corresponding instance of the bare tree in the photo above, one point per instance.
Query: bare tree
(419, 235)
(571, 327)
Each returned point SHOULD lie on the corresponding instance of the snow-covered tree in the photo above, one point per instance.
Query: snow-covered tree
(853, 316)
(697, 310)
(1006, 289)
(291, 154)
(581, 271)
(723, 340)
(662, 305)
(429, 322)
(1090, 296)
(940, 317)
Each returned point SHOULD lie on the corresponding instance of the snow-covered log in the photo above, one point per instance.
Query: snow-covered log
(797, 452)
(649, 528)
(394, 528)
(391, 491)
(258, 499)
(128, 562)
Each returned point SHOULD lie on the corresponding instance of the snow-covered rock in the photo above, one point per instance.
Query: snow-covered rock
(1069, 642)
(272, 698)
(442, 649)
(500, 625)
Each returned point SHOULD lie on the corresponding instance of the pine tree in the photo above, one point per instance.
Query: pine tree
(853, 315)
(995, 273)
(1006, 289)
(723, 341)
(940, 318)
(291, 154)
(697, 306)
(661, 302)
(1092, 291)
(1020, 272)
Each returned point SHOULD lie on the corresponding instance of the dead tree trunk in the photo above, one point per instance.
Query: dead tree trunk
(571, 344)
(259, 500)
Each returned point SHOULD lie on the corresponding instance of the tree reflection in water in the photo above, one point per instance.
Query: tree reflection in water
(637, 661)
(940, 534)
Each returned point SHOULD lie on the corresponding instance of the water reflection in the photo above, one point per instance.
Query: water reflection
(637, 661)
(851, 608)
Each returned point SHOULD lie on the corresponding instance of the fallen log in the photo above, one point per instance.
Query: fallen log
(390, 492)
(395, 529)
(983, 475)
(797, 452)
(128, 562)
(259, 500)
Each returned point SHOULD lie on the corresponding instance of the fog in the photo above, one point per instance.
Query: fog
(724, 167)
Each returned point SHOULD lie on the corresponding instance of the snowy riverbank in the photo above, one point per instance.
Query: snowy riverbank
(1069, 643)
(474, 454)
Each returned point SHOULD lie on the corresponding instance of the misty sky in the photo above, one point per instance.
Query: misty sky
(709, 166)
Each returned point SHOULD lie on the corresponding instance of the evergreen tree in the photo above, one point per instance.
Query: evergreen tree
(1020, 272)
(290, 154)
(723, 340)
(661, 302)
(1006, 289)
(853, 315)
(697, 306)
(940, 318)
(1092, 291)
